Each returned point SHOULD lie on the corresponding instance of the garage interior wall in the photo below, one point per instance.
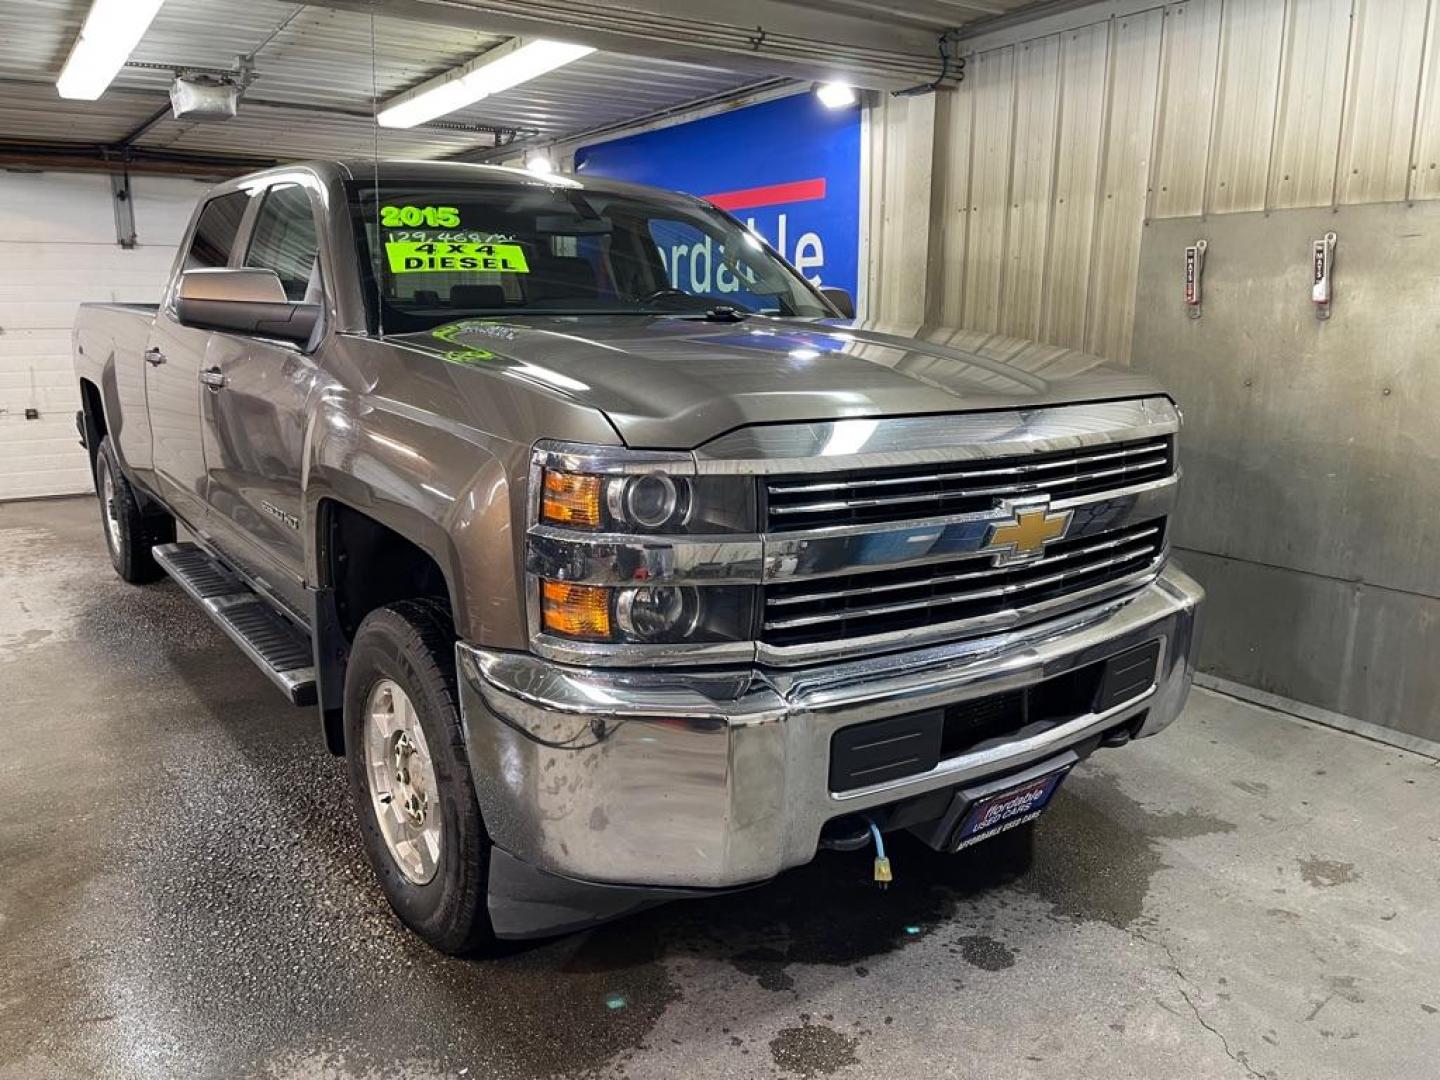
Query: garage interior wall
(58, 248)
(1080, 155)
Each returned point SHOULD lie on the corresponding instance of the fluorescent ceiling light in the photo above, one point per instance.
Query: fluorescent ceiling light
(112, 30)
(493, 72)
(834, 95)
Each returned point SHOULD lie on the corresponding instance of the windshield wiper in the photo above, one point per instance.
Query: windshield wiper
(725, 313)
(721, 313)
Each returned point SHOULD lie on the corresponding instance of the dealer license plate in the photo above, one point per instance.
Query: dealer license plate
(1006, 809)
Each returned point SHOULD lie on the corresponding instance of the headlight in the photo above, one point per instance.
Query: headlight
(647, 502)
(647, 614)
(653, 501)
(657, 613)
(640, 551)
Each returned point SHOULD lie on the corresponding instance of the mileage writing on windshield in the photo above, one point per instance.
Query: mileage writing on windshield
(418, 251)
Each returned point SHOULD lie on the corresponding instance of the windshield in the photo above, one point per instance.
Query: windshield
(448, 251)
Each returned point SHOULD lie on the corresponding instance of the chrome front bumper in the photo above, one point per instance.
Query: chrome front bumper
(716, 779)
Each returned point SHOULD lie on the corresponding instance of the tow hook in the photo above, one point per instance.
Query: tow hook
(1118, 736)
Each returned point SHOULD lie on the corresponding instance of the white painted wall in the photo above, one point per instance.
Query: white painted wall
(57, 250)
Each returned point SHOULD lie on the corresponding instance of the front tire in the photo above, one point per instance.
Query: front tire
(410, 777)
(129, 532)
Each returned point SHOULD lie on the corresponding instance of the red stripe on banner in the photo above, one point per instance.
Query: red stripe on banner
(770, 194)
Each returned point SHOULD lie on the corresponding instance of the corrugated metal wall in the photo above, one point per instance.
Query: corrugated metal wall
(1055, 150)
(1080, 156)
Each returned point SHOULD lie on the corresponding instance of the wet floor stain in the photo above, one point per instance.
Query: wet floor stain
(1098, 849)
(986, 953)
(831, 914)
(812, 1050)
(1327, 873)
(767, 965)
(224, 922)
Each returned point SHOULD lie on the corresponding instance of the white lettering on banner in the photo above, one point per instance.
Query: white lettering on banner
(809, 252)
(695, 267)
(698, 282)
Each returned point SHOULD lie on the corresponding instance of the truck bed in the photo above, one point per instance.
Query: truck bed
(106, 331)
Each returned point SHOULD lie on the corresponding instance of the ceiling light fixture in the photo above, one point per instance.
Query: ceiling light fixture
(540, 163)
(834, 95)
(111, 31)
(504, 66)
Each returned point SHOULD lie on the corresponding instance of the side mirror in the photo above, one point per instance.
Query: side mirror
(247, 301)
(841, 299)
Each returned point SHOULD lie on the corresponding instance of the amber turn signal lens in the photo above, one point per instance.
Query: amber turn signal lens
(576, 611)
(571, 500)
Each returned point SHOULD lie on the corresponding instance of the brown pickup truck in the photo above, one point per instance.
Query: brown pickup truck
(610, 591)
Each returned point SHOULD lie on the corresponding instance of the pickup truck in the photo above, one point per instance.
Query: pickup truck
(620, 562)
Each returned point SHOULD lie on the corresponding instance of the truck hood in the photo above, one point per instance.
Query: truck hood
(677, 383)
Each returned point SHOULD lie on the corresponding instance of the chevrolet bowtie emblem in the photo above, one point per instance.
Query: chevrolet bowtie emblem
(1025, 534)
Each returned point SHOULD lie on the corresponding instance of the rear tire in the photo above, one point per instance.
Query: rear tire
(130, 533)
(410, 776)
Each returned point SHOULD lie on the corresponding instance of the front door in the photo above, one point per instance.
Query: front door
(174, 357)
(254, 410)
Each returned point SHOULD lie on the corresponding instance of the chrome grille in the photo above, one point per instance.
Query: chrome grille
(880, 495)
(887, 601)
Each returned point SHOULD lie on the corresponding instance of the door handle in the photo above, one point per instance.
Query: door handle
(154, 357)
(213, 378)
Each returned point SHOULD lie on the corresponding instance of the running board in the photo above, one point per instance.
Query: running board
(276, 645)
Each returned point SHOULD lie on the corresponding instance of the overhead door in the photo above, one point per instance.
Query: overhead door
(58, 249)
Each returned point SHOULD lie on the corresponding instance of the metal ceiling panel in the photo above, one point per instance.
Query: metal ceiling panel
(35, 112)
(599, 90)
(939, 14)
(36, 35)
(317, 61)
(287, 134)
(307, 55)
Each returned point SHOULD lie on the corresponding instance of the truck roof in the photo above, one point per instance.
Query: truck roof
(403, 171)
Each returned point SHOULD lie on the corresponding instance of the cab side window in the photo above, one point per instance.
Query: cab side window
(215, 232)
(284, 240)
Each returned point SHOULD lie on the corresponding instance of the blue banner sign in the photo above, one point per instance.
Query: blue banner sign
(789, 168)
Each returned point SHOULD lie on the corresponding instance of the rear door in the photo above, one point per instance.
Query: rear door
(255, 411)
(174, 357)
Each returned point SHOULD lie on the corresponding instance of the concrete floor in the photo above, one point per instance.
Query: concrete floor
(182, 894)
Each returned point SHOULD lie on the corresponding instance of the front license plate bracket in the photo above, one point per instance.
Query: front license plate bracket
(963, 824)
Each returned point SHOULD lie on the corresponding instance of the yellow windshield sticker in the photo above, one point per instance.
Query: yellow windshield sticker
(441, 257)
(436, 217)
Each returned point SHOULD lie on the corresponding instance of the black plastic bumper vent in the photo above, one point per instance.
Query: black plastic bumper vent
(882, 750)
